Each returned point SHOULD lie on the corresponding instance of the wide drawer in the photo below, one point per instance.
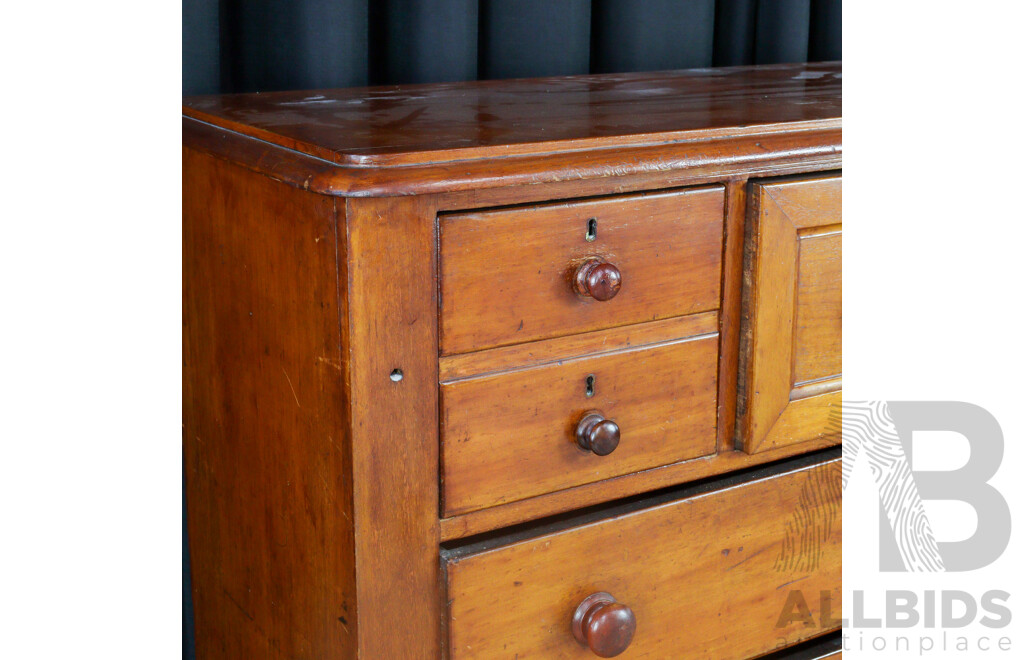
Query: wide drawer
(508, 275)
(516, 434)
(707, 576)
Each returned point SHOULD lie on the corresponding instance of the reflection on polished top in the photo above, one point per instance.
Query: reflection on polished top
(419, 124)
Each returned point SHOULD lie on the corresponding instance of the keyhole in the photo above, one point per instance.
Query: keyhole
(592, 229)
(590, 386)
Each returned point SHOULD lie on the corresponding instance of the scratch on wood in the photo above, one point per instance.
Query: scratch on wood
(791, 582)
(336, 365)
(236, 604)
(749, 557)
(292, 387)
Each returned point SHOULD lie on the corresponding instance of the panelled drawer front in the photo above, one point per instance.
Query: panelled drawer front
(513, 435)
(704, 577)
(791, 381)
(507, 275)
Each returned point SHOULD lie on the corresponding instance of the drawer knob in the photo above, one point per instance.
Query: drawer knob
(603, 625)
(597, 434)
(597, 279)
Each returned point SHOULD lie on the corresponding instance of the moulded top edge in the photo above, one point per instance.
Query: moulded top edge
(409, 125)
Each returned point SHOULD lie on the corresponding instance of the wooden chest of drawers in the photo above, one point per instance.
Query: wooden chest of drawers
(522, 369)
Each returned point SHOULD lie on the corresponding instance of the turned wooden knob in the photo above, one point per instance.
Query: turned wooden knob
(603, 625)
(597, 279)
(597, 434)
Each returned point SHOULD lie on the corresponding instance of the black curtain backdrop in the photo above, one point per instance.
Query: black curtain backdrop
(267, 45)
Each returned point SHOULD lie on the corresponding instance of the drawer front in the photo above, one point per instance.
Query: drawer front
(513, 435)
(508, 276)
(704, 577)
(792, 356)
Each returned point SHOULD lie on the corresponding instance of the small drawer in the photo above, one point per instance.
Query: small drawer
(707, 576)
(571, 421)
(515, 275)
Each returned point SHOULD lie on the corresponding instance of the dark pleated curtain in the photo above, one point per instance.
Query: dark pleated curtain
(264, 45)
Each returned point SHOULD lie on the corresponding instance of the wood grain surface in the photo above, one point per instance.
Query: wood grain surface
(729, 317)
(267, 447)
(600, 493)
(522, 356)
(440, 123)
(392, 304)
(510, 436)
(506, 275)
(708, 576)
(791, 357)
(503, 179)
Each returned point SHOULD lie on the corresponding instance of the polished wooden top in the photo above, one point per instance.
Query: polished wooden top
(406, 125)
